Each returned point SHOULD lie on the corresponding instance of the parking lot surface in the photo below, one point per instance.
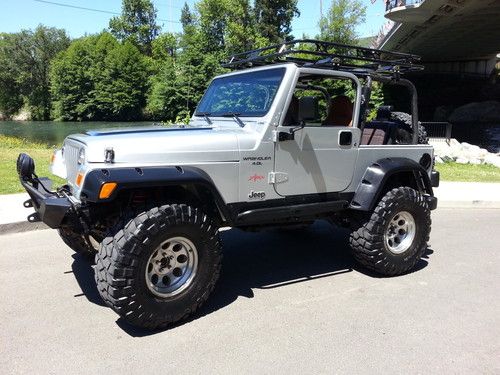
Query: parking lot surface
(287, 302)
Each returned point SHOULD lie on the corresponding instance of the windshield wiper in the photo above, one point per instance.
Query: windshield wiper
(205, 115)
(234, 115)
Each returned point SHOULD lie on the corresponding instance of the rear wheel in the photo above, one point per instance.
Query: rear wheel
(161, 266)
(394, 237)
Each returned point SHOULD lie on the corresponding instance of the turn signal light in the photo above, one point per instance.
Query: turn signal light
(107, 189)
(79, 179)
(52, 158)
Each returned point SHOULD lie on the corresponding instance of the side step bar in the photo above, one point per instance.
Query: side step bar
(292, 213)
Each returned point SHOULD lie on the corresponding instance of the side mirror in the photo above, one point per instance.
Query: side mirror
(308, 108)
(290, 135)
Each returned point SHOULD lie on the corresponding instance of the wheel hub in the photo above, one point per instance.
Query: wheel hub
(171, 267)
(400, 232)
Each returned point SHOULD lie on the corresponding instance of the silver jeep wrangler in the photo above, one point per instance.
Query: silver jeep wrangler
(282, 140)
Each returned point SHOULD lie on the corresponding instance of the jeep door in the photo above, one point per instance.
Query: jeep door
(316, 142)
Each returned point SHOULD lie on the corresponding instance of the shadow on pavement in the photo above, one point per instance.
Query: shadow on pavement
(263, 260)
(421, 264)
(84, 275)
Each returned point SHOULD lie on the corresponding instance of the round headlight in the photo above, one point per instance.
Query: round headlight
(81, 156)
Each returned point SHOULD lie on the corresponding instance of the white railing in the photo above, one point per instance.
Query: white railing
(390, 4)
(384, 30)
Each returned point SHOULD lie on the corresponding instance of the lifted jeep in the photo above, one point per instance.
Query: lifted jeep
(282, 140)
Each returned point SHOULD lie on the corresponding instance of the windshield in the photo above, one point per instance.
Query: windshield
(246, 95)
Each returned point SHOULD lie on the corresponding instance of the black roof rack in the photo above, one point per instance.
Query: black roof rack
(328, 55)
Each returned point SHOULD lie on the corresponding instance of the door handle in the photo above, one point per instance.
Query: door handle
(345, 138)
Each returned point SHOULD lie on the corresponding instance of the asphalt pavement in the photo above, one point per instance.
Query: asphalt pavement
(287, 302)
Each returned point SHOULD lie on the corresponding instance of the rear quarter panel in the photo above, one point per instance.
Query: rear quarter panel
(369, 154)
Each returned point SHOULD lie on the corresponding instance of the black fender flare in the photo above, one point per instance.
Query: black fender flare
(379, 173)
(149, 177)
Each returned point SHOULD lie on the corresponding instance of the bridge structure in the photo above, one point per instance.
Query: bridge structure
(459, 42)
(452, 36)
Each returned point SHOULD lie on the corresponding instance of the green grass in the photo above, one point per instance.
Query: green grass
(468, 172)
(10, 147)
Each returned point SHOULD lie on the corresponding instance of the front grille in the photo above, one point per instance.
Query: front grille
(71, 160)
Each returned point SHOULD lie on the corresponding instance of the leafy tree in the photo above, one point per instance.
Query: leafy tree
(46, 43)
(193, 77)
(107, 76)
(24, 71)
(164, 101)
(274, 18)
(136, 24)
(241, 34)
(377, 99)
(72, 83)
(121, 86)
(165, 47)
(187, 17)
(213, 16)
(98, 78)
(11, 100)
(226, 26)
(339, 25)
(182, 79)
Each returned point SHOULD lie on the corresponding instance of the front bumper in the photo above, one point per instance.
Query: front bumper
(50, 207)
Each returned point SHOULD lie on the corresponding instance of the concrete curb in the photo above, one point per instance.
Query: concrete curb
(21, 226)
(469, 204)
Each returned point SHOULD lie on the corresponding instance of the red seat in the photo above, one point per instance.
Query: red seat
(377, 133)
(340, 112)
(373, 137)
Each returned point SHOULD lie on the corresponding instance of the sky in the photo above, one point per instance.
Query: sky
(16, 15)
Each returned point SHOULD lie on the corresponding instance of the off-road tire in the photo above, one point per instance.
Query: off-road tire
(123, 258)
(77, 243)
(368, 243)
(405, 134)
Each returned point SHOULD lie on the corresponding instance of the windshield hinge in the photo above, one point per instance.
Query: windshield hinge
(275, 136)
(277, 177)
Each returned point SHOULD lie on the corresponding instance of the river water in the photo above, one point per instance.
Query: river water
(53, 133)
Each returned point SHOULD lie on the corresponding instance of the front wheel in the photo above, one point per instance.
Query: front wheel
(394, 238)
(161, 267)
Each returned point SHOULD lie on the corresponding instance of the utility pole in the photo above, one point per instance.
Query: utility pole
(170, 17)
(321, 8)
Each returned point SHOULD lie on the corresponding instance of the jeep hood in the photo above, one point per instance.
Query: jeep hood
(163, 145)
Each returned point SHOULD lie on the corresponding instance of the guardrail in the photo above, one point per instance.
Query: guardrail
(438, 130)
(390, 4)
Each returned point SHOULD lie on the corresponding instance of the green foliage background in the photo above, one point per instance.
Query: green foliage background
(133, 71)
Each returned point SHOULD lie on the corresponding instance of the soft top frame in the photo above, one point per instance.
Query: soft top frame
(312, 53)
